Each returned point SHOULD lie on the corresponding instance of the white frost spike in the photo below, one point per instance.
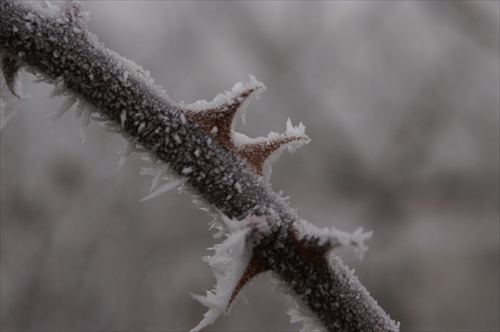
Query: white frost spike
(259, 88)
(291, 130)
(159, 173)
(309, 321)
(110, 126)
(228, 96)
(335, 237)
(66, 106)
(229, 263)
(7, 112)
(125, 77)
(123, 118)
(220, 229)
(59, 89)
(85, 114)
(165, 188)
(125, 152)
(203, 205)
(150, 159)
(151, 171)
(357, 241)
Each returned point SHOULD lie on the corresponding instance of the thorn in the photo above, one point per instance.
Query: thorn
(258, 154)
(253, 269)
(217, 117)
(10, 69)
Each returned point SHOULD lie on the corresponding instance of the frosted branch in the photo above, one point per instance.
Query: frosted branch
(54, 42)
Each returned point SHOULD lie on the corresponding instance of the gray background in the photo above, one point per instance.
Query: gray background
(401, 100)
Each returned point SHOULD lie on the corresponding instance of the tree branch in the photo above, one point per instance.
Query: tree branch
(199, 145)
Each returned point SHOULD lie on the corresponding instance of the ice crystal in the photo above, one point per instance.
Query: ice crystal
(309, 322)
(158, 174)
(59, 87)
(164, 188)
(125, 153)
(7, 112)
(65, 107)
(233, 264)
(333, 237)
(228, 263)
(85, 113)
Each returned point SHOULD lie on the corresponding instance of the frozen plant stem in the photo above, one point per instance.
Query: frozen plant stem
(197, 142)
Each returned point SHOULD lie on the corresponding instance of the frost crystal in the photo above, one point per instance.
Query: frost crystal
(7, 112)
(158, 174)
(227, 98)
(228, 263)
(125, 153)
(166, 187)
(65, 106)
(83, 111)
(334, 238)
(123, 118)
(299, 131)
(309, 322)
(59, 88)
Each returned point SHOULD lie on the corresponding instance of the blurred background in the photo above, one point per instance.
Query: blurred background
(401, 100)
